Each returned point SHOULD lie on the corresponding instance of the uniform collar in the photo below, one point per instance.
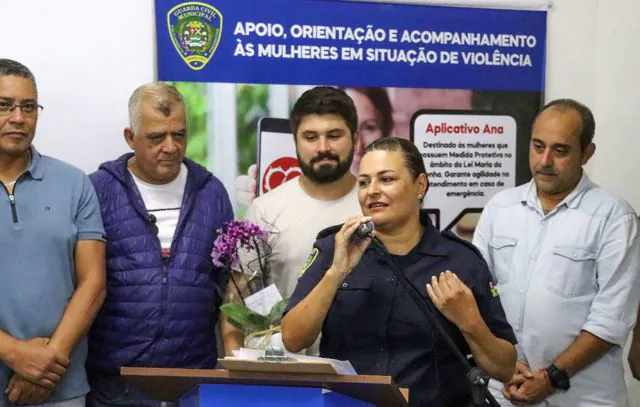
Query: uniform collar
(432, 242)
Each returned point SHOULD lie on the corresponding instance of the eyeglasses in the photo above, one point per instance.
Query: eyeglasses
(28, 108)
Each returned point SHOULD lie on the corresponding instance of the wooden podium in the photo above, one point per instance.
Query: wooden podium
(171, 384)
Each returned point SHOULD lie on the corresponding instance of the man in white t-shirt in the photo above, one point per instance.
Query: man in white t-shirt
(324, 122)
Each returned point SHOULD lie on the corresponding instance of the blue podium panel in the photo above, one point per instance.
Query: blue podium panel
(237, 395)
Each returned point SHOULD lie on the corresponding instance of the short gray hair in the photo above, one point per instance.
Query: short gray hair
(161, 94)
(9, 67)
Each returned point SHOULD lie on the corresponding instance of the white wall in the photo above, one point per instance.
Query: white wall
(617, 89)
(593, 56)
(88, 55)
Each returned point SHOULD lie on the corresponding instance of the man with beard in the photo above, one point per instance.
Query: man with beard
(566, 255)
(323, 122)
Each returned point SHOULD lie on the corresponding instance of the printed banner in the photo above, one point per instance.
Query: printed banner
(350, 43)
(463, 83)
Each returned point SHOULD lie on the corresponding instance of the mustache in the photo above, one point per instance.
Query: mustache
(545, 171)
(169, 159)
(324, 156)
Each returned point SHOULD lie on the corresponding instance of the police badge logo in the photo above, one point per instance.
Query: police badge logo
(195, 29)
(310, 259)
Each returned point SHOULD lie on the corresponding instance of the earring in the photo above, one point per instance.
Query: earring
(419, 196)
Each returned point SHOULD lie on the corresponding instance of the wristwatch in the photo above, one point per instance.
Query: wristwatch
(558, 378)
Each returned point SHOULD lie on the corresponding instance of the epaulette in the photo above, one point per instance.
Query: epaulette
(452, 236)
(331, 230)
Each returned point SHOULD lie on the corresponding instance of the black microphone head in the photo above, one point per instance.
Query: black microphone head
(365, 229)
(152, 218)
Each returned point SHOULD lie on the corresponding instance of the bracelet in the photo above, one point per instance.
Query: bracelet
(546, 377)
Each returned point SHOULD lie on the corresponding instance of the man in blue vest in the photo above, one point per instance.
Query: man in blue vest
(161, 212)
(52, 269)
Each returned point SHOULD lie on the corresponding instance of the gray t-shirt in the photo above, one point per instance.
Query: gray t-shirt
(55, 206)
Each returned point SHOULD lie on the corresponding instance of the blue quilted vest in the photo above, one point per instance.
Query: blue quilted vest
(159, 312)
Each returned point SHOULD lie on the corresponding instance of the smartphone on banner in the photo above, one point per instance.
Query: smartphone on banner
(464, 225)
(276, 154)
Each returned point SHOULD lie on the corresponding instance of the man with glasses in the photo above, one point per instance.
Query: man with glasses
(161, 212)
(52, 271)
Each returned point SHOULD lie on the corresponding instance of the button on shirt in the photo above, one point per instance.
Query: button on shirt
(575, 268)
(375, 324)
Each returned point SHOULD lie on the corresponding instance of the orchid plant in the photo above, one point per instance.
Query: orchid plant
(243, 250)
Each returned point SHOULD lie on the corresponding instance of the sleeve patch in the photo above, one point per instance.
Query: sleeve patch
(310, 260)
(493, 289)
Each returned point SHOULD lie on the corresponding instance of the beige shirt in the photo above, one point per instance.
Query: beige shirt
(295, 218)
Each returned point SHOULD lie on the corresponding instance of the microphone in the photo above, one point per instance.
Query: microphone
(364, 230)
(152, 218)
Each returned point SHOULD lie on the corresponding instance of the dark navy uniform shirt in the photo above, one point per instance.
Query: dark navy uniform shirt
(375, 324)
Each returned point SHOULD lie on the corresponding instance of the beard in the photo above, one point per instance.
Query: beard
(326, 173)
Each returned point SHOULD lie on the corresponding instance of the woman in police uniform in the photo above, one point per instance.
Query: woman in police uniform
(349, 293)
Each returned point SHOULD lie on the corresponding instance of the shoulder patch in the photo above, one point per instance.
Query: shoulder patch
(310, 260)
(452, 236)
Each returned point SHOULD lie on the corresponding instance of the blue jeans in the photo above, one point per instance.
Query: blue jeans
(116, 391)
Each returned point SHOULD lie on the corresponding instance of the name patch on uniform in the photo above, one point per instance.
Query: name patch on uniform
(310, 259)
(494, 289)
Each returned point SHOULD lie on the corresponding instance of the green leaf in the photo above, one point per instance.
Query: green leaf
(275, 315)
(242, 317)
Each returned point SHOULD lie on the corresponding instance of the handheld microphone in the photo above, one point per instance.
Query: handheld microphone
(364, 230)
(151, 217)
